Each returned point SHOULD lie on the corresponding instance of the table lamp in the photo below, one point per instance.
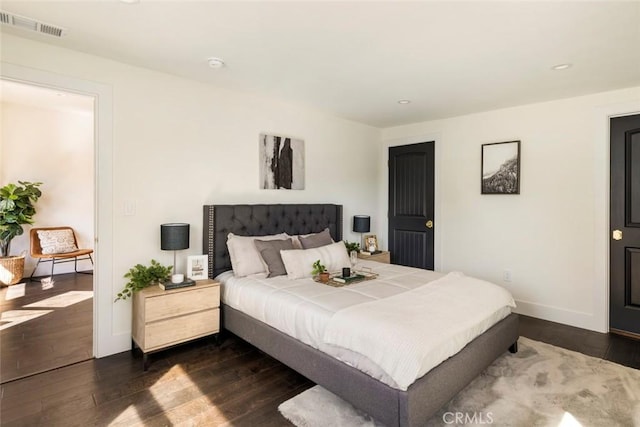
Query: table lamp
(174, 237)
(361, 224)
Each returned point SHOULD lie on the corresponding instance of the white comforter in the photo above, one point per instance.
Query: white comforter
(311, 312)
(408, 334)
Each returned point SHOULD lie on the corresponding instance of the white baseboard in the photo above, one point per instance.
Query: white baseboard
(578, 319)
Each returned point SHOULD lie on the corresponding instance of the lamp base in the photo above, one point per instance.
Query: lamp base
(168, 285)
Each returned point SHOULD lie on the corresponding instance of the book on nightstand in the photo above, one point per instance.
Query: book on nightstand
(168, 285)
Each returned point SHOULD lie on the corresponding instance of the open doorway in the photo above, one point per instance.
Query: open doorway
(48, 136)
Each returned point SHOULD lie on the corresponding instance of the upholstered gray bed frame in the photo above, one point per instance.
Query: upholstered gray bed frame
(388, 405)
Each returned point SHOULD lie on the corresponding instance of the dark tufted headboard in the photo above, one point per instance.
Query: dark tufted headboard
(260, 220)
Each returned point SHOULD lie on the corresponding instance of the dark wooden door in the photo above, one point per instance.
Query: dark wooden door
(411, 204)
(624, 305)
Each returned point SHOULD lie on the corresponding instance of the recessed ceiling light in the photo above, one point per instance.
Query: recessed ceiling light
(215, 62)
(130, 1)
(561, 67)
(404, 101)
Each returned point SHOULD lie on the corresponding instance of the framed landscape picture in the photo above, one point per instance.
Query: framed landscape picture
(501, 168)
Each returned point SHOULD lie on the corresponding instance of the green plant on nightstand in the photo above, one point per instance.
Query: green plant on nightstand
(141, 276)
(352, 246)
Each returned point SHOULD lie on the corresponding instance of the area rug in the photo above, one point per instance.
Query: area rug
(541, 385)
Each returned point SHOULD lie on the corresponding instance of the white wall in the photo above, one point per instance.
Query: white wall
(180, 144)
(548, 235)
(56, 148)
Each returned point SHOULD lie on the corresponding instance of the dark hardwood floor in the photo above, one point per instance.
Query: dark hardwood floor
(615, 348)
(201, 383)
(45, 324)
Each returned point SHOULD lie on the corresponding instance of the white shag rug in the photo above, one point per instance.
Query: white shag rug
(541, 385)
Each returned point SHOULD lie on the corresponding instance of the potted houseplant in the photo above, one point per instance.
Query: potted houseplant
(16, 209)
(352, 246)
(141, 276)
(320, 271)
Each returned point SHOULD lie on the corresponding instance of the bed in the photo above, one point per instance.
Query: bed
(390, 405)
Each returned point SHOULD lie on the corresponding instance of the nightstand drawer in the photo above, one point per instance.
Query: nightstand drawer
(174, 304)
(178, 329)
(384, 257)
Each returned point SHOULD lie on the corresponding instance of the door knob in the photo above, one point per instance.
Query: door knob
(429, 224)
(617, 235)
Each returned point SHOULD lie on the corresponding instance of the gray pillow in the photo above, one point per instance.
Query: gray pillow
(269, 250)
(316, 240)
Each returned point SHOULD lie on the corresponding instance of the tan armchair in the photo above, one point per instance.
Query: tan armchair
(71, 253)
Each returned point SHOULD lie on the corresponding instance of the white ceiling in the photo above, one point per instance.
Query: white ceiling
(357, 59)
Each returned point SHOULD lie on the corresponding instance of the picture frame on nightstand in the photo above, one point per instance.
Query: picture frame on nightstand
(370, 243)
(197, 267)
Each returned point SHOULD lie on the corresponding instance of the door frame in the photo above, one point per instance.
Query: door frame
(383, 207)
(104, 343)
(602, 205)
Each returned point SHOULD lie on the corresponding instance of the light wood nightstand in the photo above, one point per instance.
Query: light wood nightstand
(162, 319)
(384, 256)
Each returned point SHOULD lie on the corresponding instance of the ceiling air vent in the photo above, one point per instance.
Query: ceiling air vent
(24, 23)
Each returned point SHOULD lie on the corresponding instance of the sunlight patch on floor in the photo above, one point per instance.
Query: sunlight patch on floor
(47, 283)
(7, 276)
(128, 417)
(15, 291)
(175, 373)
(197, 411)
(15, 317)
(569, 420)
(19, 290)
(62, 300)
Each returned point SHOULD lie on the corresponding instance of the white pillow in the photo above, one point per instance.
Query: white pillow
(245, 258)
(299, 262)
(57, 241)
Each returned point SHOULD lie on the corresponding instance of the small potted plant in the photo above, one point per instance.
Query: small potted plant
(141, 276)
(320, 271)
(352, 246)
(16, 210)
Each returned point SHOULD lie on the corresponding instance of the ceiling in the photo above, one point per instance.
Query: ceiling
(357, 59)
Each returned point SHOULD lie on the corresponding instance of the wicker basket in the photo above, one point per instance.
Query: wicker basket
(11, 269)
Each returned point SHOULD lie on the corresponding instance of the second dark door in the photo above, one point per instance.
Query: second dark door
(624, 302)
(411, 205)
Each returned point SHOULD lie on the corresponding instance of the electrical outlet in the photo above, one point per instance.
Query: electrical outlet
(506, 276)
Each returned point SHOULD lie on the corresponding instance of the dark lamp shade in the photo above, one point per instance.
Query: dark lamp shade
(174, 236)
(361, 223)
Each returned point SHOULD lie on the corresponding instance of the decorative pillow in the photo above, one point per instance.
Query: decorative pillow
(270, 253)
(299, 262)
(296, 241)
(57, 241)
(245, 259)
(313, 240)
